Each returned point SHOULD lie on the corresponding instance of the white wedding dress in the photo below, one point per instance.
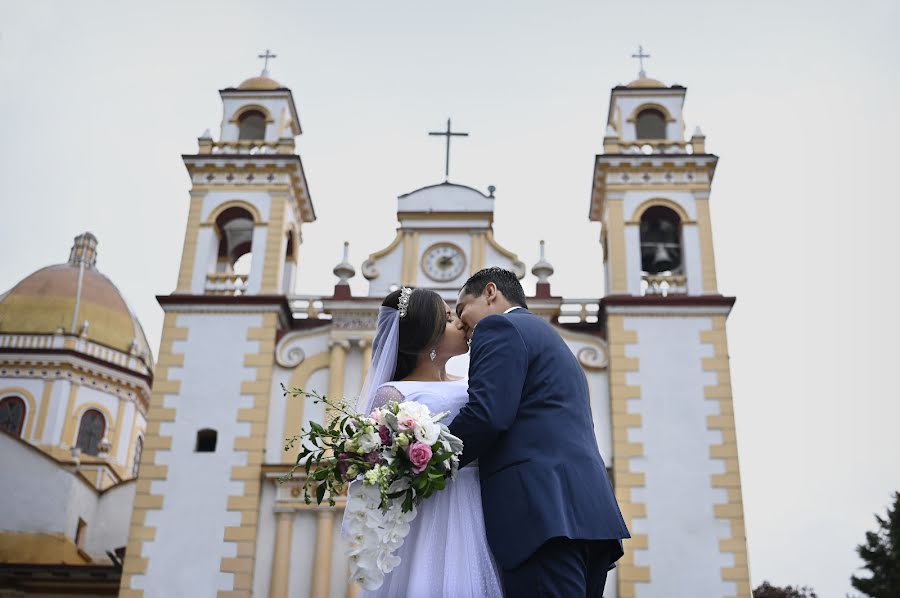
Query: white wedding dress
(446, 553)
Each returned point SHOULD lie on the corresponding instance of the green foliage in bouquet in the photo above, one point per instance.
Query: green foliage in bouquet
(401, 448)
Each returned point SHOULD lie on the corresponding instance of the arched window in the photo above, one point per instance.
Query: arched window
(206, 441)
(12, 415)
(252, 125)
(651, 124)
(90, 432)
(660, 240)
(138, 449)
(235, 229)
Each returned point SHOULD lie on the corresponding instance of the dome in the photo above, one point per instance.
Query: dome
(261, 83)
(646, 82)
(46, 301)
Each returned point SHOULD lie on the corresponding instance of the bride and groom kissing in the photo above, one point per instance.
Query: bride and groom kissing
(531, 511)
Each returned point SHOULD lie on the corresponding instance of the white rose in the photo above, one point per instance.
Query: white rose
(413, 410)
(368, 442)
(427, 432)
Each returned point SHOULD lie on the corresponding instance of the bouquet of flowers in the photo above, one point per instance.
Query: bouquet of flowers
(396, 456)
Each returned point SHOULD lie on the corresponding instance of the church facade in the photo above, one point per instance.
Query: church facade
(210, 517)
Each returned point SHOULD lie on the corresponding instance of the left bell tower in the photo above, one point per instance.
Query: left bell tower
(194, 524)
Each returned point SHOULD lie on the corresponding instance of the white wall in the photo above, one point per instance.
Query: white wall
(683, 551)
(112, 519)
(194, 514)
(41, 496)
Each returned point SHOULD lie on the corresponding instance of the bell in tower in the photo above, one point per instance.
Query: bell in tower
(660, 241)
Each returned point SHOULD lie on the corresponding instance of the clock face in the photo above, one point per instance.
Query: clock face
(443, 262)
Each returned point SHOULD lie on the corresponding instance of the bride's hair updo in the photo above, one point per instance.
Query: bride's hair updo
(420, 329)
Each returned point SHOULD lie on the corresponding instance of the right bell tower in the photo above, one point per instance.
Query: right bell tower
(675, 460)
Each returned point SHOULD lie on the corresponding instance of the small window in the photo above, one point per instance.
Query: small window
(206, 441)
(138, 449)
(90, 432)
(12, 415)
(252, 125)
(80, 533)
(651, 124)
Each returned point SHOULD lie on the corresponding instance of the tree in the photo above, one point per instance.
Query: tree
(881, 553)
(767, 590)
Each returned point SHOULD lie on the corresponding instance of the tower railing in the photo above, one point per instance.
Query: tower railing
(226, 283)
(250, 147)
(664, 284)
(305, 307)
(578, 311)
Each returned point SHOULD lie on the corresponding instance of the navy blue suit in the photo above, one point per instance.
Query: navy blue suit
(528, 422)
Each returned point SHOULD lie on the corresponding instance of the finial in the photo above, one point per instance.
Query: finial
(448, 134)
(491, 190)
(345, 270)
(641, 56)
(206, 135)
(543, 269)
(698, 132)
(84, 251)
(266, 57)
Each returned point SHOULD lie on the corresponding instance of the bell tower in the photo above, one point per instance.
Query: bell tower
(209, 409)
(675, 459)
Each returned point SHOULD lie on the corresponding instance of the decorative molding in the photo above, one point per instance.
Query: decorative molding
(141, 531)
(591, 358)
(288, 353)
(732, 510)
(45, 367)
(236, 203)
(623, 420)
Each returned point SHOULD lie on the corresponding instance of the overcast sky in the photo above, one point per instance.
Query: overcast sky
(799, 99)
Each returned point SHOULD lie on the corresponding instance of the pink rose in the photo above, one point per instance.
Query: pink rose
(408, 423)
(385, 435)
(419, 455)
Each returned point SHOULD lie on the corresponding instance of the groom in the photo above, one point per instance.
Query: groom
(552, 520)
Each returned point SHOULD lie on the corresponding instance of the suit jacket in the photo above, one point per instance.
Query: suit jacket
(528, 422)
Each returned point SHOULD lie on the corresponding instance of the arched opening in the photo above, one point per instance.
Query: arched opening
(650, 124)
(661, 249)
(91, 431)
(138, 449)
(234, 230)
(206, 441)
(252, 125)
(290, 265)
(12, 415)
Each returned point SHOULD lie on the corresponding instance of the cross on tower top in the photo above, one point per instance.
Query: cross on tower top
(266, 56)
(641, 56)
(448, 134)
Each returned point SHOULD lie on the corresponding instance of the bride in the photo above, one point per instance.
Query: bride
(446, 552)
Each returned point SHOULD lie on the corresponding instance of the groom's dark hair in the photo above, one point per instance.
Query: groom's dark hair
(506, 282)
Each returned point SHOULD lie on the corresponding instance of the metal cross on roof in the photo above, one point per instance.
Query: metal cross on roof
(266, 56)
(448, 134)
(641, 56)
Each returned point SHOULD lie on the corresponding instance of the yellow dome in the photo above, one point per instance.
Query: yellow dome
(260, 83)
(45, 302)
(646, 82)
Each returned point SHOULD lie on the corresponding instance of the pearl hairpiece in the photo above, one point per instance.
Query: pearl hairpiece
(403, 304)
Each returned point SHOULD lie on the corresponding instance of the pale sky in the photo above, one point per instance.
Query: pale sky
(799, 99)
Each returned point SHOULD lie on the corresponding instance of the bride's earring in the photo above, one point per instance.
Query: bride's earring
(433, 354)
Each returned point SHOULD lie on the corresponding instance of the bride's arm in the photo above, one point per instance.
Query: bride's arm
(385, 395)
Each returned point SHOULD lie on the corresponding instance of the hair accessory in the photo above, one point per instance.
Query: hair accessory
(403, 304)
(433, 354)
